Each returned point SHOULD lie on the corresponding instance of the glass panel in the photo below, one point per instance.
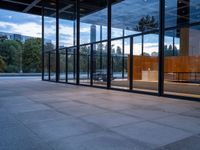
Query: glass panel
(67, 38)
(145, 65)
(100, 64)
(71, 65)
(46, 65)
(137, 19)
(93, 22)
(120, 52)
(50, 37)
(53, 65)
(182, 49)
(93, 28)
(85, 64)
(62, 57)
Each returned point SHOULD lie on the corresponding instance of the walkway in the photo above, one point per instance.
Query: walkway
(37, 115)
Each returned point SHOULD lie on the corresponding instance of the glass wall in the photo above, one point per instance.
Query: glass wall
(50, 41)
(134, 45)
(67, 38)
(182, 49)
(135, 20)
(119, 59)
(93, 28)
(20, 43)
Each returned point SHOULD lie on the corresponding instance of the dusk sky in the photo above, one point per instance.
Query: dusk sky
(30, 25)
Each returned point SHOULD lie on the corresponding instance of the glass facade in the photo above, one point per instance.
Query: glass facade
(149, 46)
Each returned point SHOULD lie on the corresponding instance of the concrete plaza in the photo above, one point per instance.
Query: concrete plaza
(38, 115)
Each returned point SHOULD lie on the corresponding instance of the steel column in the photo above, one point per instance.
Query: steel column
(131, 64)
(161, 48)
(49, 65)
(123, 47)
(91, 64)
(42, 41)
(109, 44)
(78, 42)
(66, 65)
(57, 42)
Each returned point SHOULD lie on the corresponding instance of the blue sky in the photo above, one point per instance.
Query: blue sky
(12, 22)
(30, 25)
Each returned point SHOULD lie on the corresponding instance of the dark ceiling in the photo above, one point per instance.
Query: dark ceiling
(67, 7)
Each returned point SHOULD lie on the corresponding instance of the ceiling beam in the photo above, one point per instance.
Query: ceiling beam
(29, 7)
(62, 9)
(16, 2)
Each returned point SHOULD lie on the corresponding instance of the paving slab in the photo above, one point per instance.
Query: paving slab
(152, 133)
(51, 116)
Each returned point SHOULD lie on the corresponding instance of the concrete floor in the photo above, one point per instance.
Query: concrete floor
(36, 115)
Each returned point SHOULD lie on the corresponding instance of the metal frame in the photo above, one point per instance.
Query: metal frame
(77, 42)
(42, 42)
(109, 13)
(57, 43)
(161, 49)
(76, 63)
(131, 64)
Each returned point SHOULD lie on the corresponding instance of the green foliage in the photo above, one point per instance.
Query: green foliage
(147, 23)
(10, 53)
(168, 51)
(2, 64)
(32, 55)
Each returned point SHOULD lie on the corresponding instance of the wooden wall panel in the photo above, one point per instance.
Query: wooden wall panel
(175, 64)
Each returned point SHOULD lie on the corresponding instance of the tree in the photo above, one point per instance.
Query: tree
(146, 54)
(2, 64)
(146, 23)
(84, 57)
(10, 53)
(32, 55)
(119, 50)
(169, 51)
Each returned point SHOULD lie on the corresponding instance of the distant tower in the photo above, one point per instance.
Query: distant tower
(93, 33)
(93, 39)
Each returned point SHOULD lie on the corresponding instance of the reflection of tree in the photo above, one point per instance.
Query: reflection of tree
(32, 55)
(10, 55)
(2, 64)
(146, 23)
(48, 46)
(169, 51)
(99, 58)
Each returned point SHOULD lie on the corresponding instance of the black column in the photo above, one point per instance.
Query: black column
(131, 64)
(109, 44)
(49, 65)
(57, 42)
(101, 57)
(161, 48)
(43, 41)
(123, 47)
(91, 64)
(77, 41)
(142, 53)
(66, 66)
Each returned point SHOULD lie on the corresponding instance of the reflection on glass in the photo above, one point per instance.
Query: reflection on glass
(120, 53)
(53, 65)
(182, 49)
(62, 57)
(85, 64)
(71, 65)
(145, 65)
(46, 65)
(100, 64)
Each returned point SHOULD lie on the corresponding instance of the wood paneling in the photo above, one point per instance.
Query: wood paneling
(175, 64)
